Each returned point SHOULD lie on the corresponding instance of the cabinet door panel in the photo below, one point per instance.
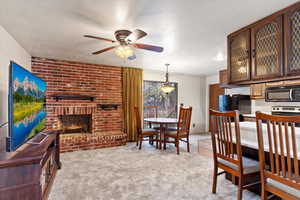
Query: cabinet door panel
(238, 57)
(258, 91)
(267, 49)
(292, 37)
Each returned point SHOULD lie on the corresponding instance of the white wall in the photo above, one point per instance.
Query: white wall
(191, 92)
(10, 50)
(212, 79)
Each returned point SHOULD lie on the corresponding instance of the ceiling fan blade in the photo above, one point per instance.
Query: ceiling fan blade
(148, 47)
(104, 50)
(135, 35)
(132, 57)
(99, 38)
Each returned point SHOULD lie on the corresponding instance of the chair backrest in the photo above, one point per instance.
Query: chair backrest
(150, 111)
(184, 120)
(225, 136)
(278, 136)
(138, 120)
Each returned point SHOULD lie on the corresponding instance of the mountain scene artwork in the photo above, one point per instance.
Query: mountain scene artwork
(28, 107)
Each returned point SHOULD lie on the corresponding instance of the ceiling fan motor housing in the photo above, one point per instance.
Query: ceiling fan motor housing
(121, 35)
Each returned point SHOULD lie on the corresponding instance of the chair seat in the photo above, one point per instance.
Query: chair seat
(149, 131)
(157, 128)
(249, 165)
(171, 129)
(173, 134)
(283, 187)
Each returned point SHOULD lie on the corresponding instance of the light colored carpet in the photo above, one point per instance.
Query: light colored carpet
(126, 173)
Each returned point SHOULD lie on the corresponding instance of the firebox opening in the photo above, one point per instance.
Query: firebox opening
(75, 123)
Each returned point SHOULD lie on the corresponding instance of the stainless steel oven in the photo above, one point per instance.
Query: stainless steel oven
(283, 94)
(286, 111)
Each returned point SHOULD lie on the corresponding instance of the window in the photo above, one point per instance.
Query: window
(157, 103)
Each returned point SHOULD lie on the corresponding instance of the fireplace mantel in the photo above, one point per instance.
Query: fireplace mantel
(58, 97)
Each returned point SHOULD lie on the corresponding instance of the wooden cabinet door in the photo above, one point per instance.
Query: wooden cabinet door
(257, 91)
(292, 41)
(239, 57)
(223, 78)
(214, 92)
(266, 52)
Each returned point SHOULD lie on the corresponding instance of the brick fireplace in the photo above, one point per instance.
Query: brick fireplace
(75, 123)
(84, 123)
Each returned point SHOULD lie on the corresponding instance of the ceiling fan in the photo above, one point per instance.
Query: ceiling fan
(126, 40)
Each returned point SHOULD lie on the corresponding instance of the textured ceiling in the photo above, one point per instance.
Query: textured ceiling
(192, 32)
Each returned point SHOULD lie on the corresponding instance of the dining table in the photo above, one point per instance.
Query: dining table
(163, 125)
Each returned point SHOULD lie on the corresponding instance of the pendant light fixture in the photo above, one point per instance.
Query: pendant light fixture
(167, 87)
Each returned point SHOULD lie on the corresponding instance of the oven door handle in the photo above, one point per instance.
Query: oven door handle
(291, 94)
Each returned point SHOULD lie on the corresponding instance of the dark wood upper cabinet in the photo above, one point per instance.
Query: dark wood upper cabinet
(239, 56)
(266, 44)
(266, 50)
(292, 41)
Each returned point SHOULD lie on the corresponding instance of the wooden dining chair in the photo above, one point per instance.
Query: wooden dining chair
(182, 132)
(278, 144)
(227, 150)
(144, 133)
(150, 112)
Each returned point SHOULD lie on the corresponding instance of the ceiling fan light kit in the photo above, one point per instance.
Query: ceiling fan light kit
(126, 40)
(167, 87)
(124, 51)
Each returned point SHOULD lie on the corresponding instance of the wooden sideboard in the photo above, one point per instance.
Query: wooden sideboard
(28, 173)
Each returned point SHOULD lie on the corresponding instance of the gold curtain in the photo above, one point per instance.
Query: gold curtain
(132, 96)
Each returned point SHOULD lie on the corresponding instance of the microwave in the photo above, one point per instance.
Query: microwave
(283, 94)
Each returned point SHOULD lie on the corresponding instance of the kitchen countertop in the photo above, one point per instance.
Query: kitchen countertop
(248, 115)
(248, 134)
(253, 114)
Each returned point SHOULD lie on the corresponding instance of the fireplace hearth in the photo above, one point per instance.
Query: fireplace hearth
(75, 123)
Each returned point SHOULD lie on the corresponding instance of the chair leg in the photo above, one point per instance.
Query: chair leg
(137, 140)
(264, 193)
(215, 176)
(188, 144)
(233, 179)
(141, 141)
(157, 138)
(240, 189)
(165, 142)
(177, 145)
(151, 140)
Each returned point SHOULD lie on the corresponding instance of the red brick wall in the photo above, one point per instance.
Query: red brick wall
(102, 82)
